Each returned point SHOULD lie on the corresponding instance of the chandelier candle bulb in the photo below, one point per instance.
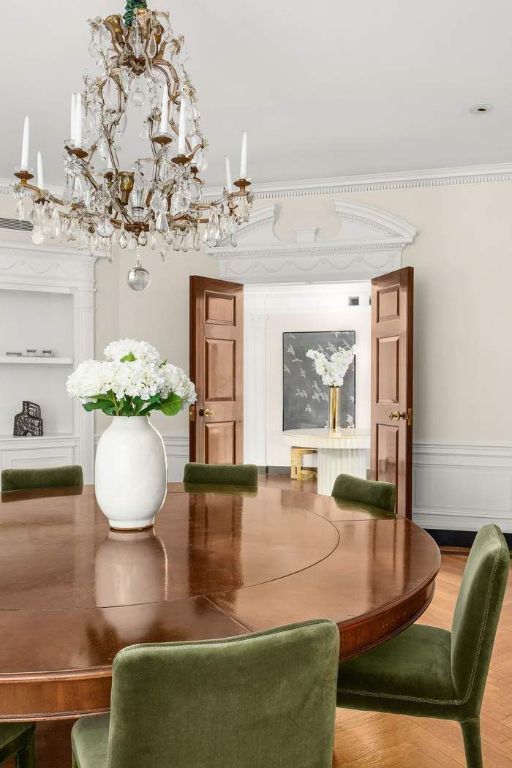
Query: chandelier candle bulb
(243, 157)
(229, 178)
(40, 174)
(182, 127)
(25, 145)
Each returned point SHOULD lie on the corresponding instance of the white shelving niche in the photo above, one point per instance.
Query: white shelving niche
(46, 302)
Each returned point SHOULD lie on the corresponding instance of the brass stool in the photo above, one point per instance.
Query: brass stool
(297, 470)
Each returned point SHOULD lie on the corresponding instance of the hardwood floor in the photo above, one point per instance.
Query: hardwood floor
(388, 741)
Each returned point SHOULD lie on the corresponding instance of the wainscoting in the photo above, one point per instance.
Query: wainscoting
(462, 487)
(456, 487)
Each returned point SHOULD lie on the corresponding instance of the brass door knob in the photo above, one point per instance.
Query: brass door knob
(206, 412)
(397, 415)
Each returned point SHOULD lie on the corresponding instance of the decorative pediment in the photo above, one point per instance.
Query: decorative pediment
(369, 242)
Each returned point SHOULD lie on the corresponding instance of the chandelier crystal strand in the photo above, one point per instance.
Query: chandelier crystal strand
(158, 199)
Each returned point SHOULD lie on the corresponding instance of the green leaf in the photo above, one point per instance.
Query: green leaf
(101, 405)
(150, 405)
(129, 358)
(172, 405)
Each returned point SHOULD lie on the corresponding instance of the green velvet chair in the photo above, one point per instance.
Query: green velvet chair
(380, 495)
(430, 672)
(242, 475)
(17, 740)
(49, 477)
(255, 701)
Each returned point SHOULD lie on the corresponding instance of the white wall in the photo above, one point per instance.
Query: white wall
(463, 269)
(463, 315)
(346, 318)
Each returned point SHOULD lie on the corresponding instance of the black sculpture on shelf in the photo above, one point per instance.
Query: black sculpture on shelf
(29, 421)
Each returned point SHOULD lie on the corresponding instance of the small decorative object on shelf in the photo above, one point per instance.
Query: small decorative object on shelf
(31, 352)
(14, 354)
(47, 352)
(332, 370)
(131, 465)
(155, 199)
(29, 421)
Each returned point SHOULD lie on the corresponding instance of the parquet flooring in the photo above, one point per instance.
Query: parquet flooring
(371, 740)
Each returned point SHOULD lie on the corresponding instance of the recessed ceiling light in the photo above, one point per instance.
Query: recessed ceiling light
(481, 109)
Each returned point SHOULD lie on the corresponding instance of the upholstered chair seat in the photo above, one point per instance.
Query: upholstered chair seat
(377, 497)
(430, 672)
(254, 701)
(241, 475)
(49, 477)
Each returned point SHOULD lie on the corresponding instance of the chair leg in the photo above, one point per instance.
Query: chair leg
(26, 757)
(472, 743)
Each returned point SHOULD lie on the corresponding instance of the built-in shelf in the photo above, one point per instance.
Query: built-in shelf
(33, 360)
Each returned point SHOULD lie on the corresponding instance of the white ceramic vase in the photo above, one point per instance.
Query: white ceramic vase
(131, 473)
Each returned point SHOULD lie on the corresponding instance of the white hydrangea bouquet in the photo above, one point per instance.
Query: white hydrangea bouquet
(131, 381)
(332, 369)
(131, 463)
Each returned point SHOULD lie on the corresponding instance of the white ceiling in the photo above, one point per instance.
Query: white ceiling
(325, 88)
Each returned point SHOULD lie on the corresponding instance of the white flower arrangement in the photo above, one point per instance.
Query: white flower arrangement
(131, 382)
(333, 369)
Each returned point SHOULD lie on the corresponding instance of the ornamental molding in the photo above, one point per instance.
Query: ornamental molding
(369, 242)
(437, 177)
(26, 266)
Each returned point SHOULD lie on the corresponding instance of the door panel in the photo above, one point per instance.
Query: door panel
(392, 361)
(220, 369)
(388, 355)
(216, 368)
(220, 443)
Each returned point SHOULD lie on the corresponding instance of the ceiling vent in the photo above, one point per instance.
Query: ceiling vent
(21, 226)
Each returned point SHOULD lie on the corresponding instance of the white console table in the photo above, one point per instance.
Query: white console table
(346, 451)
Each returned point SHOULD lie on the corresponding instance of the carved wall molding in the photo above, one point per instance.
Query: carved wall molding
(369, 242)
(39, 266)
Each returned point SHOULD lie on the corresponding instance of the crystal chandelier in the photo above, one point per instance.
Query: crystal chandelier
(157, 201)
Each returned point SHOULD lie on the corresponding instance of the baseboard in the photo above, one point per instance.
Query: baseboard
(459, 539)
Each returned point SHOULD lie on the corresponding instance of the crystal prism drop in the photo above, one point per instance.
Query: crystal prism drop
(162, 225)
(123, 240)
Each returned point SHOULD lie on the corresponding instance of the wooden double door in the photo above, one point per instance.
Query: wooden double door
(216, 367)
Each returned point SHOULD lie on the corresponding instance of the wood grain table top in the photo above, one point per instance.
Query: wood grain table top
(217, 564)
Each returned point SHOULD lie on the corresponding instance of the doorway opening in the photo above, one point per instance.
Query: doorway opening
(273, 315)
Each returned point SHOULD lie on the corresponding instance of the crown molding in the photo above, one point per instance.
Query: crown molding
(437, 177)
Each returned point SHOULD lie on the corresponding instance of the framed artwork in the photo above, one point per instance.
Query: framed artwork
(305, 397)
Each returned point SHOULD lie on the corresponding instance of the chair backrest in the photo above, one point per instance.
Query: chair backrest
(48, 477)
(376, 494)
(221, 474)
(477, 612)
(254, 701)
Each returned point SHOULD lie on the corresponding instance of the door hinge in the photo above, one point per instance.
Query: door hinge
(409, 417)
(192, 413)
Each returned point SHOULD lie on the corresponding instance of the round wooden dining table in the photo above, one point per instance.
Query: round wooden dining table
(216, 564)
